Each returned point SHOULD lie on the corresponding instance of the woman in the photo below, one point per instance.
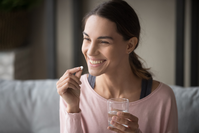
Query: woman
(111, 34)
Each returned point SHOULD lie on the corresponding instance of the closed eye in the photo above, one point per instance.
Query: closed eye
(85, 38)
(105, 42)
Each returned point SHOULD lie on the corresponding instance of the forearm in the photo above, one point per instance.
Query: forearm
(74, 109)
(72, 123)
(69, 122)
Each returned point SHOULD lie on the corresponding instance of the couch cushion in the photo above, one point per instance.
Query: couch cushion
(188, 108)
(30, 106)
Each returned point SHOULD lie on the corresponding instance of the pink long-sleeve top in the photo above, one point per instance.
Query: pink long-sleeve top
(157, 112)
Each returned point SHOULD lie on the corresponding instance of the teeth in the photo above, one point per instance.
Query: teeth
(95, 62)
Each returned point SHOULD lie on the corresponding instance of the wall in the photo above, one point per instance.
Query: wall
(37, 42)
(157, 45)
(64, 36)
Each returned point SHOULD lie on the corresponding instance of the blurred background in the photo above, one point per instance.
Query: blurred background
(47, 40)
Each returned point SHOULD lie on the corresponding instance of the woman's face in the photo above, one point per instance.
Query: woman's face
(103, 47)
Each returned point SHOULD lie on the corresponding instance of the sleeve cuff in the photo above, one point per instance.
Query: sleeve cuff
(73, 115)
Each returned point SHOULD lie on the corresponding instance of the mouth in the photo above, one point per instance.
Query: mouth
(93, 62)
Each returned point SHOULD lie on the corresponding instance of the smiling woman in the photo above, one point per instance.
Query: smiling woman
(105, 46)
(111, 34)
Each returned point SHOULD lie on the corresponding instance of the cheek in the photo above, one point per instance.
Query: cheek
(110, 53)
(84, 49)
(116, 54)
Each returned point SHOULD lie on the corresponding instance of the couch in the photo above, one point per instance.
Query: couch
(32, 106)
(29, 106)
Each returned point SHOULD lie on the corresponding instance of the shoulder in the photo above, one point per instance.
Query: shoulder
(159, 85)
(163, 91)
(166, 89)
(83, 78)
(161, 97)
(155, 85)
(85, 86)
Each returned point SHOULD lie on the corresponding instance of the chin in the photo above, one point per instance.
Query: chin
(94, 73)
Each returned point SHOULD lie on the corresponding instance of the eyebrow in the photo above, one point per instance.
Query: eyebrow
(101, 37)
(85, 33)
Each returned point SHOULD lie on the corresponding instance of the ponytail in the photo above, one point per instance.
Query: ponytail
(137, 68)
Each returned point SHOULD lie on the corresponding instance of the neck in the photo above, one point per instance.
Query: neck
(120, 84)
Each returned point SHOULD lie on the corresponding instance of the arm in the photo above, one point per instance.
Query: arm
(68, 87)
(172, 121)
(69, 122)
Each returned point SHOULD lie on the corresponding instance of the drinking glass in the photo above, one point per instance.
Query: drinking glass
(116, 104)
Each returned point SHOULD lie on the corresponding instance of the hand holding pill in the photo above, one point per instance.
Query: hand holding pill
(68, 87)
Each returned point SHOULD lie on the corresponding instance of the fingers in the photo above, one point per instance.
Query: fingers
(69, 80)
(69, 74)
(73, 70)
(69, 77)
(120, 128)
(78, 74)
(121, 120)
(124, 122)
(128, 119)
(127, 116)
(76, 70)
(116, 130)
(64, 88)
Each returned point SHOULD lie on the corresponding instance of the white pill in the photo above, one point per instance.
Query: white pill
(81, 67)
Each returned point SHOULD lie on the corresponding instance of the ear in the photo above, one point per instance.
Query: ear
(131, 44)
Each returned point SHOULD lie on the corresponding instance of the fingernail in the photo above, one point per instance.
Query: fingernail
(112, 122)
(119, 113)
(114, 118)
(109, 127)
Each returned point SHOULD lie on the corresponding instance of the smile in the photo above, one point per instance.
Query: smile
(95, 62)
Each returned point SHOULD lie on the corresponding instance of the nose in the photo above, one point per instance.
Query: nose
(92, 49)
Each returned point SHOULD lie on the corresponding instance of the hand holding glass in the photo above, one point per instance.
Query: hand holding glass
(116, 104)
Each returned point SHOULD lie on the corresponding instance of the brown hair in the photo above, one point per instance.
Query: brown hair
(127, 22)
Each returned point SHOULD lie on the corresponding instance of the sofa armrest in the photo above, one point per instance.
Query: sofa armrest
(29, 106)
(188, 108)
